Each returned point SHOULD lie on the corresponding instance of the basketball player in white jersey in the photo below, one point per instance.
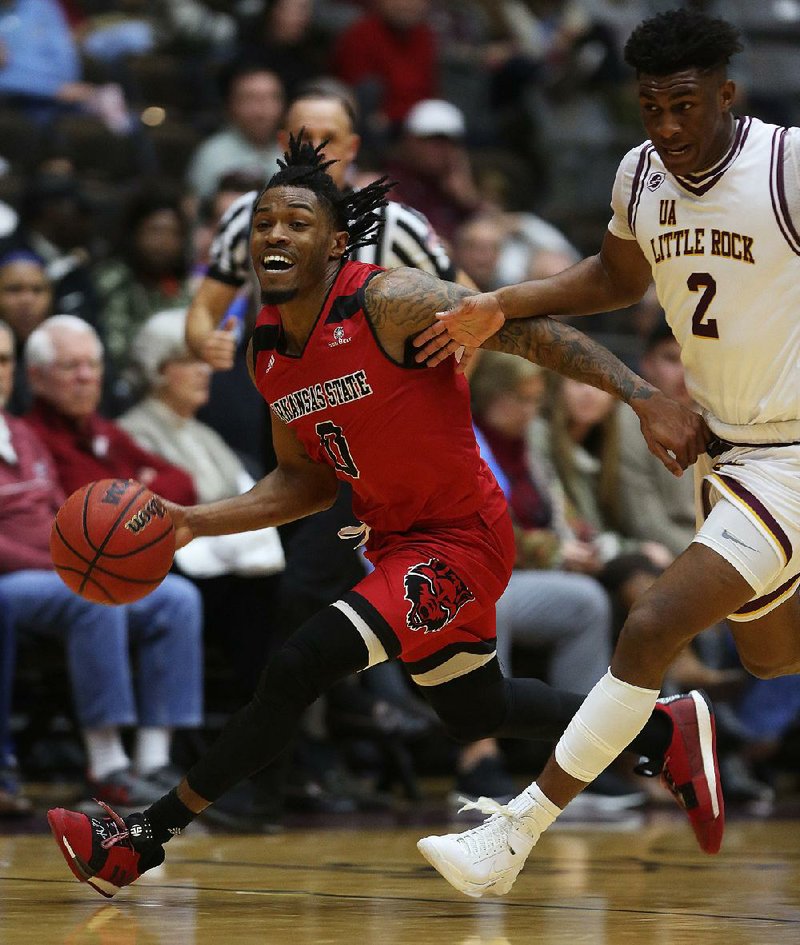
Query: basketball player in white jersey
(709, 208)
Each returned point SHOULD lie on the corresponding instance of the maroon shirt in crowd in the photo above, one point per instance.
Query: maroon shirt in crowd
(404, 62)
(30, 495)
(99, 449)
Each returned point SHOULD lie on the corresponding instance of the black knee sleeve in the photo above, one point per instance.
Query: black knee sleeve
(473, 706)
(483, 703)
(325, 649)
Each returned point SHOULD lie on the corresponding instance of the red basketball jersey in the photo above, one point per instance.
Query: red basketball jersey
(400, 435)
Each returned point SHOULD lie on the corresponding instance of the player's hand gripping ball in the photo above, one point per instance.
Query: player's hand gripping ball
(112, 541)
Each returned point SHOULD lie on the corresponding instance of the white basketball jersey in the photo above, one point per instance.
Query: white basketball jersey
(724, 249)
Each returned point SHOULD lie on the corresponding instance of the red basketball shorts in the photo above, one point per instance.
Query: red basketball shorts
(430, 599)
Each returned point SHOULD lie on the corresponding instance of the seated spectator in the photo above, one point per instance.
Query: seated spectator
(432, 167)
(652, 503)
(285, 37)
(496, 248)
(112, 31)
(229, 188)
(56, 223)
(26, 299)
(577, 438)
(254, 100)
(164, 627)
(232, 571)
(564, 610)
(477, 246)
(475, 45)
(372, 55)
(41, 71)
(13, 803)
(149, 272)
(547, 607)
(64, 360)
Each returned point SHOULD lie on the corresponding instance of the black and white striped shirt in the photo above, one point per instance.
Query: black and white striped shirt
(406, 239)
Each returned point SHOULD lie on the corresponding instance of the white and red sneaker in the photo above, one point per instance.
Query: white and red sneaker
(99, 850)
(691, 769)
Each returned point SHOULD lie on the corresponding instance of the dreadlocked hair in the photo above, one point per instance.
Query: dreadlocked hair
(358, 212)
(681, 39)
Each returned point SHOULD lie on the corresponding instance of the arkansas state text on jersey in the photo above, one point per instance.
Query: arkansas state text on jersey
(370, 418)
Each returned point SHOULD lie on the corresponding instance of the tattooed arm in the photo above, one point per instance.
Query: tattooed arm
(667, 426)
(402, 302)
(570, 352)
(617, 276)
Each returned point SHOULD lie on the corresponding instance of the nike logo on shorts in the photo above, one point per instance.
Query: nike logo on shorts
(738, 541)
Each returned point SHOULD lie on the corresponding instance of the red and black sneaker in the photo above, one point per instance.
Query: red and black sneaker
(99, 850)
(691, 769)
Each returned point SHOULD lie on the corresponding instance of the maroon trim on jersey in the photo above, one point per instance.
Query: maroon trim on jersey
(375, 622)
(427, 663)
(777, 191)
(705, 498)
(757, 603)
(699, 184)
(762, 513)
(645, 160)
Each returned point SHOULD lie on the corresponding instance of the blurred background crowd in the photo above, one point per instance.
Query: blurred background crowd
(127, 130)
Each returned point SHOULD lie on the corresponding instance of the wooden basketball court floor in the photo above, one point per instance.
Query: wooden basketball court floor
(363, 883)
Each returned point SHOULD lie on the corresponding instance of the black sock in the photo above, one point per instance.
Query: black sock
(652, 742)
(160, 822)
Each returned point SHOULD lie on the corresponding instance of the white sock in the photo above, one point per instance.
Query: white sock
(611, 716)
(536, 810)
(152, 749)
(104, 751)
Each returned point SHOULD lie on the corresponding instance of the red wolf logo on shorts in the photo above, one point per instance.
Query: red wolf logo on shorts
(436, 594)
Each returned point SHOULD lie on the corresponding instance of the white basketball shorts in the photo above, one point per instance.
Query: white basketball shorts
(749, 512)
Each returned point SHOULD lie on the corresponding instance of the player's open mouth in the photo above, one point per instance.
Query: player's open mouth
(276, 262)
(677, 152)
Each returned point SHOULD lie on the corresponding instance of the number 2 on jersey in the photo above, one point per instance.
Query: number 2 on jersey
(704, 281)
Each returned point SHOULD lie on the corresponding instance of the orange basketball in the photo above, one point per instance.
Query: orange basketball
(112, 541)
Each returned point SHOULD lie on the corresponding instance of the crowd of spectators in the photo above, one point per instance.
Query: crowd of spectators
(127, 131)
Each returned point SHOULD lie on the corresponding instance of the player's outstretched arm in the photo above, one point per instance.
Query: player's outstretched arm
(675, 434)
(617, 276)
(296, 488)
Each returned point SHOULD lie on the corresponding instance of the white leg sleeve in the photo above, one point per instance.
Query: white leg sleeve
(611, 716)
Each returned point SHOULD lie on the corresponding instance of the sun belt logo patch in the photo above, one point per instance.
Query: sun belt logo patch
(436, 594)
(655, 180)
(339, 337)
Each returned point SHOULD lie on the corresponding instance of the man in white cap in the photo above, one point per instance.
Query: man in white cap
(433, 169)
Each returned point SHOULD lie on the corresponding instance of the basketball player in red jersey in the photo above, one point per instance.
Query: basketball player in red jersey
(331, 353)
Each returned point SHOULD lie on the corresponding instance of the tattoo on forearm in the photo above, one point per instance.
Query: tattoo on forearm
(409, 299)
(568, 351)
